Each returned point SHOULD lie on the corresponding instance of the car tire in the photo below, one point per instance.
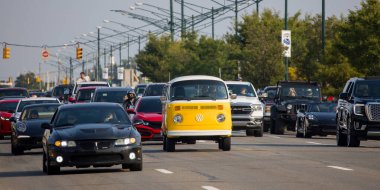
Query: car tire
(250, 132)
(341, 139)
(279, 127)
(136, 167)
(258, 133)
(170, 144)
(1, 137)
(225, 144)
(352, 138)
(51, 170)
(164, 142)
(306, 133)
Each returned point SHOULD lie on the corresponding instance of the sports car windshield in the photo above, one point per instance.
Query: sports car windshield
(324, 107)
(198, 90)
(150, 106)
(242, 90)
(93, 114)
(367, 89)
(25, 103)
(39, 112)
(8, 106)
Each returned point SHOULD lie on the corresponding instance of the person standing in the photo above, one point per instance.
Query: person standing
(83, 78)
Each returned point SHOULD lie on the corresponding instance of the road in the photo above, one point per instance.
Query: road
(269, 162)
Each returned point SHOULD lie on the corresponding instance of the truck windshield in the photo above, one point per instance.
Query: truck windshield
(198, 90)
(300, 91)
(242, 90)
(367, 89)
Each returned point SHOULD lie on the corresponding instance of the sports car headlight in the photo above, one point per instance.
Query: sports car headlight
(21, 127)
(289, 106)
(126, 141)
(178, 118)
(311, 117)
(65, 144)
(256, 107)
(359, 109)
(220, 118)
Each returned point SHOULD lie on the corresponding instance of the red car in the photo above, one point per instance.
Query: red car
(7, 107)
(148, 118)
(84, 94)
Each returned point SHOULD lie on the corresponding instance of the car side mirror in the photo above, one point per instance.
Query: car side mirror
(137, 122)
(46, 126)
(343, 96)
(12, 119)
(233, 96)
(131, 111)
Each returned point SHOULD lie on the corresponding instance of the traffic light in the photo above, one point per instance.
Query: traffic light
(6, 52)
(79, 53)
(38, 79)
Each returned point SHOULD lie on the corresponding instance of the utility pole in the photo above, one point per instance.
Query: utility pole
(71, 70)
(192, 23)
(212, 22)
(98, 63)
(105, 58)
(59, 71)
(182, 19)
(236, 17)
(111, 64)
(171, 21)
(286, 27)
(323, 26)
(120, 53)
(139, 43)
(257, 7)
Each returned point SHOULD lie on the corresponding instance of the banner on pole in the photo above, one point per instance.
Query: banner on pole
(286, 41)
(105, 73)
(120, 73)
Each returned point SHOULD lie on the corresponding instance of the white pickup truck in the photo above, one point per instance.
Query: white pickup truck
(247, 110)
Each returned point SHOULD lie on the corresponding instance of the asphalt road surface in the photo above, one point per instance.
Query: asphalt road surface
(270, 162)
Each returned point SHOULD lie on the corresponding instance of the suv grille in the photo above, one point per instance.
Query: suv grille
(241, 109)
(374, 112)
(299, 107)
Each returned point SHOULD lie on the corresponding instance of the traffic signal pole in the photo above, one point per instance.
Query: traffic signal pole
(171, 21)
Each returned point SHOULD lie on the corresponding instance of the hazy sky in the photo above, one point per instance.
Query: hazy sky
(57, 22)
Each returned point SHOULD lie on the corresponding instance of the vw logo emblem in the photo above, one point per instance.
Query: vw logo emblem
(199, 117)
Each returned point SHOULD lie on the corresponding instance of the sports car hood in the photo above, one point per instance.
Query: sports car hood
(155, 117)
(325, 117)
(95, 131)
(246, 99)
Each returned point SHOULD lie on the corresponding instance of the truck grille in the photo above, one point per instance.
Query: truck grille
(241, 109)
(298, 107)
(374, 112)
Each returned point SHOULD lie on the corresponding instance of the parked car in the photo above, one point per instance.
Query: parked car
(317, 119)
(148, 117)
(7, 108)
(27, 132)
(84, 94)
(110, 94)
(87, 84)
(154, 89)
(139, 89)
(292, 96)
(267, 97)
(247, 110)
(96, 134)
(29, 101)
(358, 112)
(196, 108)
(13, 92)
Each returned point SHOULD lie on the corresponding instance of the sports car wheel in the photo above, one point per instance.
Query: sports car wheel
(1, 137)
(14, 149)
(136, 167)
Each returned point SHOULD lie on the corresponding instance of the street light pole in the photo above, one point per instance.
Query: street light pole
(286, 27)
(171, 21)
(98, 63)
(212, 21)
(236, 17)
(323, 25)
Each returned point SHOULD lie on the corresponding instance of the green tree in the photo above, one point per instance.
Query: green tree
(27, 80)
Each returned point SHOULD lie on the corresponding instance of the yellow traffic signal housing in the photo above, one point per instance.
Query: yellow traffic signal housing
(79, 53)
(6, 53)
(38, 79)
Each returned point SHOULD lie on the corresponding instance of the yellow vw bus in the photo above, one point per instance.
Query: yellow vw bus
(196, 108)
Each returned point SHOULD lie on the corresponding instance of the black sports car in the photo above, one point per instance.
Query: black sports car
(96, 134)
(318, 119)
(27, 132)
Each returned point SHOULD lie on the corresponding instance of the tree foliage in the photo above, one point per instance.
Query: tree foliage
(27, 80)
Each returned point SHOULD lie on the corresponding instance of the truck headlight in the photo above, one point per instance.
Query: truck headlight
(220, 118)
(289, 106)
(178, 118)
(126, 141)
(256, 107)
(359, 109)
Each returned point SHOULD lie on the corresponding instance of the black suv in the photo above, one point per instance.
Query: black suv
(291, 96)
(358, 111)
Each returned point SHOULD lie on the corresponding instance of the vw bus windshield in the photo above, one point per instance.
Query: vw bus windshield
(198, 90)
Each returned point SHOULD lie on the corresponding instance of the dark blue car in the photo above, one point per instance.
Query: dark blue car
(317, 119)
(27, 132)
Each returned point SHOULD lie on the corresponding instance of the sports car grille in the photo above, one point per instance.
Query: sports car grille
(374, 112)
(155, 125)
(96, 158)
(95, 145)
(241, 109)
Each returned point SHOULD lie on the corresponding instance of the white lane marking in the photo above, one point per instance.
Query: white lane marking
(313, 142)
(209, 188)
(272, 136)
(340, 168)
(164, 171)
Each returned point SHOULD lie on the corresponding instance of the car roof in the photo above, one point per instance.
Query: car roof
(90, 105)
(39, 105)
(38, 98)
(112, 89)
(88, 88)
(93, 82)
(238, 82)
(150, 97)
(195, 77)
(14, 88)
(9, 100)
(156, 84)
(297, 82)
